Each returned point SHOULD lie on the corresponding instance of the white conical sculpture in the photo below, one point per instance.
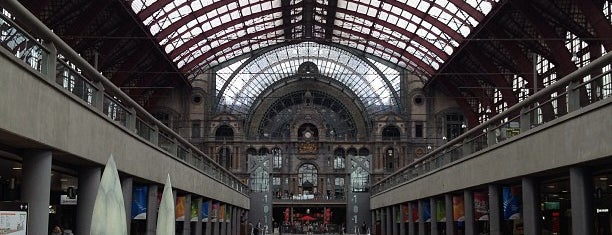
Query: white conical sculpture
(165, 216)
(108, 217)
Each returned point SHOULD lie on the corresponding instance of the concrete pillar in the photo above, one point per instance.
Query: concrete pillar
(394, 229)
(448, 202)
(234, 227)
(187, 215)
(531, 207)
(373, 221)
(402, 223)
(468, 208)
(433, 207)
(494, 210)
(221, 220)
(383, 221)
(421, 220)
(198, 225)
(89, 181)
(36, 189)
(208, 220)
(126, 187)
(152, 207)
(581, 190)
(410, 219)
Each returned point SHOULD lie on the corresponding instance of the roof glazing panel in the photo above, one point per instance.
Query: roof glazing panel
(419, 35)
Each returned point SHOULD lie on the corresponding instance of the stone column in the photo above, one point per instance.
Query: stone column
(187, 215)
(152, 207)
(531, 207)
(89, 181)
(494, 210)
(394, 229)
(448, 201)
(581, 190)
(127, 184)
(35, 191)
(421, 219)
(468, 208)
(198, 226)
(410, 219)
(402, 224)
(383, 221)
(433, 207)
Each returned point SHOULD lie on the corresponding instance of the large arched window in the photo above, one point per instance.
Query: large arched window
(364, 151)
(224, 132)
(263, 151)
(277, 158)
(391, 132)
(307, 173)
(225, 159)
(339, 159)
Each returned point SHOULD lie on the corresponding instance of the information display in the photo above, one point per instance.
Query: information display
(13, 218)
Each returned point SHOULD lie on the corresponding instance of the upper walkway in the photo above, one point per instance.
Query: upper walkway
(565, 124)
(51, 98)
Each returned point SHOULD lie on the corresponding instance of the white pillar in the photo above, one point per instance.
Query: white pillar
(89, 182)
(36, 189)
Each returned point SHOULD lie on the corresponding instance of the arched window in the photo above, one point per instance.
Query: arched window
(225, 159)
(364, 151)
(391, 132)
(307, 174)
(263, 151)
(390, 159)
(224, 132)
(339, 159)
(277, 158)
(351, 152)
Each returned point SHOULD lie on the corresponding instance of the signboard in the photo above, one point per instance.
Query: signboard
(65, 200)
(13, 218)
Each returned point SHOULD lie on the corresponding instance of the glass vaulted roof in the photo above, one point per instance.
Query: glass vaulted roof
(419, 35)
(239, 85)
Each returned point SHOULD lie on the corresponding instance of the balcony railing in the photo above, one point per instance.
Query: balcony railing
(46, 54)
(576, 90)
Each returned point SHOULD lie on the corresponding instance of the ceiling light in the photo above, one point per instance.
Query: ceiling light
(603, 178)
(16, 168)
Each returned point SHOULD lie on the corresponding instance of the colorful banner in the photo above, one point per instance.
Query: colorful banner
(221, 216)
(512, 202)
(139, 202)
(204, 211)
(440, 211)
(426, 211)
(194, 212)
(415, 212)
(405, 212)
(228, 214)
(179, 208)
(458, 209)
(481, 206)
(214, 212)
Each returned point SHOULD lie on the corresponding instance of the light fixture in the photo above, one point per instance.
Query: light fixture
(463, 125)
(603, 178)
(575, 57)
(444, 137)
(16, 168)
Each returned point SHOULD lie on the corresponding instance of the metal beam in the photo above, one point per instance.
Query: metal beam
(286, 11)
(332, 6)
(85, 18)
(598, 20)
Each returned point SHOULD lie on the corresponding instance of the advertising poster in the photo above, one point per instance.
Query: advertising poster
(221, 214)
(512, 202)
(426, 211)
(139, 202)
(13, 218)
(214, 211)
(228, 214)
(481, 206)
(415, 212)
(204, 211)
(405, 212)
(458, 209)
(194, 212)
(179, 208)
(440, 211)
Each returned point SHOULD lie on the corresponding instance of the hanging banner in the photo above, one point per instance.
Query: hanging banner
(221, 215)
(458, 209)
(440, 211)
(204, 211)
(481, 206)
(228, 214)
(139, 202)
(179, 208)
(415, 212)
(426, 211)
(405, 212)
(214, 212)
(194, 212)
(512, 202)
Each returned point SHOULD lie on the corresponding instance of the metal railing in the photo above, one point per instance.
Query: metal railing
(44, 52)
(566, 95)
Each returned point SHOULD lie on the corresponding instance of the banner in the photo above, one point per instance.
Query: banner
(481, 206)
(139, 202)
(458, 209)
(179, 208)
(194, 211)
(405, 212)
(426, 210)
(221, 216)
(512, 202)
(214, 212)
(440, 211)
(415, 212)
(204, 211)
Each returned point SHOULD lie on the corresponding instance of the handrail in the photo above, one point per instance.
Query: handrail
(527, 103)
(37, 28)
